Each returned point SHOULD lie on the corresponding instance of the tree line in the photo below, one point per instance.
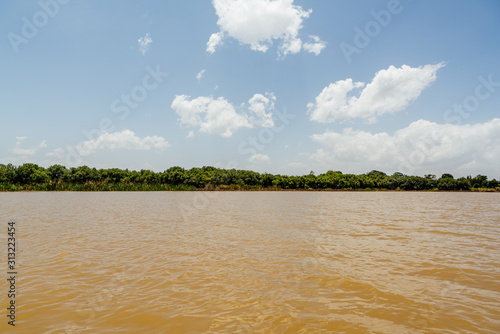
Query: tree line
(30, 176)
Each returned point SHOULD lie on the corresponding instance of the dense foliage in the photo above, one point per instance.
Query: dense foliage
(33, 177)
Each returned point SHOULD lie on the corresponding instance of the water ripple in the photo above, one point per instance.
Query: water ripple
(257, 262)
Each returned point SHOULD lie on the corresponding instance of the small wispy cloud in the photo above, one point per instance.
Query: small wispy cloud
(18, 150)
(58, 153)
(144, 43)
(259, 158)
(214, 41)
(200, 74)
(315, 46)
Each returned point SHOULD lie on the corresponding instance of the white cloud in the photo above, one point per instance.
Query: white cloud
(259, 158)
(262, 106)
(422, 147)
(200, 75)
(390, 91)
(18, 150)
(219, 116)
(291, 45)
(125, 139)
(214, 41)
(257, 23)
(213, 116)
(316, 46)
(57, 154)
(190, 134)
(144, 43)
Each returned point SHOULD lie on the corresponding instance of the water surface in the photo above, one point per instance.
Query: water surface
(254, 262)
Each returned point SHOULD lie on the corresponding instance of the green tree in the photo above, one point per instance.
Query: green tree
(447, 183)
(149, 177)
(112, 175)
(463, 184)
(413, 183)
(309, 181)
(8, 173)
(31, 174)
(329, 180)
(395, 181)
(232, 177)
(479, 181)
(57, 172)
(174, 175)
(267, 180)
(366, 181)
(378, 179)
(84, 174)
(279, 181)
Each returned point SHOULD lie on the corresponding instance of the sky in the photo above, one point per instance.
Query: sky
(277, 86)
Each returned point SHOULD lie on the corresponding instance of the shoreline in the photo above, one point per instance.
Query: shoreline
(31, 177)
(480, 190)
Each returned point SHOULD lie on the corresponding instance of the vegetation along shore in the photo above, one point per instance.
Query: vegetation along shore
(31, 177)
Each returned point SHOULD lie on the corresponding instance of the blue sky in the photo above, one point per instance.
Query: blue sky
(274, 86)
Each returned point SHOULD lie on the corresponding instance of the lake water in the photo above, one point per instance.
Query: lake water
(253, 262)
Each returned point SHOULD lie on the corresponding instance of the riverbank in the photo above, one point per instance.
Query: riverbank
(31, 177)
(169, 187)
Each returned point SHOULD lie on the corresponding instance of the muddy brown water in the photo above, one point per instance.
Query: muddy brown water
(253, 262)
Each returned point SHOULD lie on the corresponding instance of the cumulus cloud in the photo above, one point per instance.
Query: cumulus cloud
(262, 107)
(257, 23)
(390, 91)
(315, 46)
(420, 148)
(219, 116)
(213, 116)
(18, 150)
(200, 75)
(125, 139)
(259, 158)
(144, 43)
